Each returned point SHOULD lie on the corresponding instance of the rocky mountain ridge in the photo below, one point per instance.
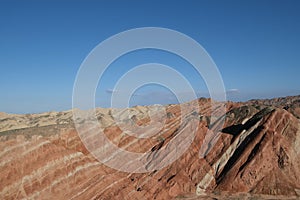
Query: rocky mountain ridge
(255, 156)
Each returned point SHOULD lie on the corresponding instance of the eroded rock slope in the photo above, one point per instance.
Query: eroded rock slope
(256, 153)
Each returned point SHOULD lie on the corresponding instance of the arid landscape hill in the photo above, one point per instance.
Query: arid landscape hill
(256, 156)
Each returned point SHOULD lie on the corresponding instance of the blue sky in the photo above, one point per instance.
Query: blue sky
(255, 44)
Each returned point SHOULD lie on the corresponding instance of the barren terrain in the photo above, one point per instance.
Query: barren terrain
(256, 156)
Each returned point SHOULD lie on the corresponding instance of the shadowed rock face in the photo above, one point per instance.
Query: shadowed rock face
(291, 104)
(256, 156)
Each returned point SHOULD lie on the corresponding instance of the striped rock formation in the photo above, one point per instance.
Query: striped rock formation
(256, 155)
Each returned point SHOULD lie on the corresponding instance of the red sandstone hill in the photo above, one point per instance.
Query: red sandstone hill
(257, 155)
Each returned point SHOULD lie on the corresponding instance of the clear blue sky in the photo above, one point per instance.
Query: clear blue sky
(255, 44)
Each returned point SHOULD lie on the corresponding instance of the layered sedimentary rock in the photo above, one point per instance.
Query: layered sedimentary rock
(256, 155)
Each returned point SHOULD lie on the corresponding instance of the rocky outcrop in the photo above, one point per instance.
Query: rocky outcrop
(255, 156)
(290, 103)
